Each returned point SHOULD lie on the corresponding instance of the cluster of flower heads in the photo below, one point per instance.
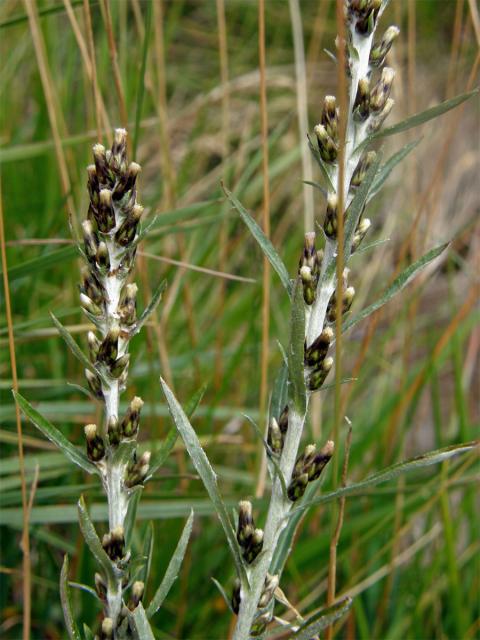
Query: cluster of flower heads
(110, 235)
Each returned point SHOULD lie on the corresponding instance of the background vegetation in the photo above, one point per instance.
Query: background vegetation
(409, 549)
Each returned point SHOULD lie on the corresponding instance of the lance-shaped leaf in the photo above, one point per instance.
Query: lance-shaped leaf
(322, 619)
(54, 435)
(173, 569)
(425, 460)
(280, 393)
(159, 456)
(418, 118)
(387, 168)
(207, 474)
(70, 623)
(94, 544)
(131, 516)
(147, 553)
(152, 305)
(295, 355)
(355, 209)
(75, 349)
(265, 245)
(397, 285)
(140, 621)
(223, 593)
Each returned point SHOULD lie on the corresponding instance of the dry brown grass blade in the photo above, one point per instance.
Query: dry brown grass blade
(266, 229)
(112, 48)
(25, 544)
(51, 102)
(343, 106)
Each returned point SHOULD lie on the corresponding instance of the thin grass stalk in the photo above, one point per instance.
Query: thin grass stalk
(266, 230)
(25, 543)
(112, 48)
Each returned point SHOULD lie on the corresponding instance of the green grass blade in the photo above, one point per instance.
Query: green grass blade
(70, 623)
(323, 619)
(173, 569)
(397, 285)
(264, 243)
(54, 435)
(207, 474)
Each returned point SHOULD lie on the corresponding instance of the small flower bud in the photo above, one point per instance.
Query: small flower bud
(303, 462)
(94, 384)
(283, 420)
(361, 231)
(236, 596)
(381, 90)
(245, 522)
(327, 147)
(113, 431)
(317, 351)
(271, 583)
(130, 422)
(100, 162)
(380, 50)
(137, 471)
(138, 588)
(87, 303)
(101, 587)
(89, 239)
(95, 445)
(91, 287)
(114, 543)
(128, 305)
(318, 376)
(362, 168)
(321, 460)
(260, 624)
(108, 352)
(275, 437)
(93, 184)
(297, 487)
(376, 122)
(362, 101)
(119, 366)
(103, 258)
(107, 629)
(106, 214)
(126, 182)
(330, 117)
(119, 149)
(330, 223)
(128, 229)
(93, 345)
(254, 547)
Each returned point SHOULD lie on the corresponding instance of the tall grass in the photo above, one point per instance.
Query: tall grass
(407, 550)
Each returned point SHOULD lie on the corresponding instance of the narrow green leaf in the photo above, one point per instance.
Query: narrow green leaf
(84, 587)
(295, 355)
(323, 619)
(35, 265)
(87, 632)
(94, 544)
(397, 285)
(130, 518)
(425, 460)
(157, 296)
(70, 623)
(54, 435)
(386, 169)
(147, 553)
(223, 594)
(173, 569)
(142, 626)
(355, 208)
(315, 185)
(159, 456)
(418, 118)
(321, 164)
(279, 397)
(265, 245)
(74, 348)
(207, 474)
